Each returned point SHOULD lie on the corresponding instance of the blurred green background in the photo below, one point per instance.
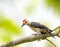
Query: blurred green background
(12, 12)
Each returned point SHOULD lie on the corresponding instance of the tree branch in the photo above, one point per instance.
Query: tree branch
(29, 39)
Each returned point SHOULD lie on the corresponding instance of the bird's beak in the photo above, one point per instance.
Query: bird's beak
(22, 25)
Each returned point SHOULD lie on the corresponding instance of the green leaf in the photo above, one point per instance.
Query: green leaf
(9, 25)
(55, 4)
(8, 29)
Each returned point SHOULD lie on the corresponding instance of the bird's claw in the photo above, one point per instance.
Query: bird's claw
(35, 34)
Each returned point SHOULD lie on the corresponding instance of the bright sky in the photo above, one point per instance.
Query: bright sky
(16, 11)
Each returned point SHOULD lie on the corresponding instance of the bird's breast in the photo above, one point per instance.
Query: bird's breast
(35, 29)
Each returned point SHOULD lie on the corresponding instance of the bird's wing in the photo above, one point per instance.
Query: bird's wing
(37, 25)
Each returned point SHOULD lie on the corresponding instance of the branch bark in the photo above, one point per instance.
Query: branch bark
(29, 39)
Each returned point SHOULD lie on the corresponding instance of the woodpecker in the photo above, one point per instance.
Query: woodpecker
(37, 27)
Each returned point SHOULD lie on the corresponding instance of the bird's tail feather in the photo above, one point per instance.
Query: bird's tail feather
(50, 33)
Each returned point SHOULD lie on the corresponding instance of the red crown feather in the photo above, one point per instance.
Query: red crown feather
(25, 20)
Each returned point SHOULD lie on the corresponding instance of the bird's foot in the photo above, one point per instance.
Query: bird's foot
(36, 34)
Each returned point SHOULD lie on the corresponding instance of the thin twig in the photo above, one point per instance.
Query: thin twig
(51, 42)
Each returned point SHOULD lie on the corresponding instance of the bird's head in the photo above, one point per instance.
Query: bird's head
(25, 22)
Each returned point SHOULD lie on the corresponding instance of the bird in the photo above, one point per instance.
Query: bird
(37, 27)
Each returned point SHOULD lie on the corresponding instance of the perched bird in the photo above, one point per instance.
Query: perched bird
(37, 27)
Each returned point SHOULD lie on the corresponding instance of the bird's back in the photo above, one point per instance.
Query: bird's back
(38, 25)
